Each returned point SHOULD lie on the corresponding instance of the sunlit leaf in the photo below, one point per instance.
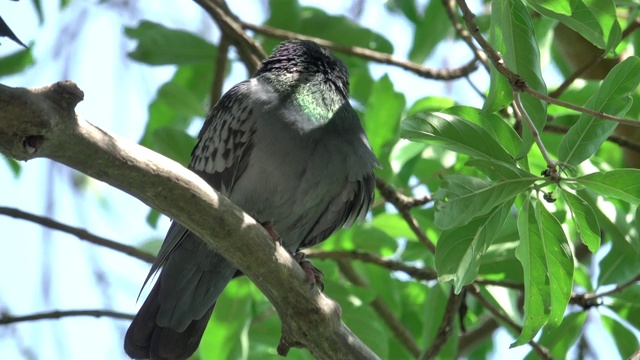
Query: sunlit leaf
(459, 250)
(585, 220)
(383, 114)
(463, 198)
(16, 62)
(623, 184)
(613, 97)
(547, 262)
(455, 134)
(562, 7)
(626, 341)
(521, 54)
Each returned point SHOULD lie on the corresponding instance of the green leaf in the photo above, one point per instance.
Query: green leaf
(613, 97)
(341, 29)
(500, 91)
(623, 184)
(547, 261)
(495, 125)
(407, 7)
(285, 15)
(430, 103)
(173, 143)
(619, 265)
(383, 114)
(459, 251)
(562, 338)
(463, 198)
(430, 30)
(585, 220)
(152, 218)
(179, 100)
(498, 170)
(228, 339)
(522, 56)
(595, 20)
(626, 341)
(454, 134)
(158, 45)
(16, 62)
(13, 165)
(562, 7)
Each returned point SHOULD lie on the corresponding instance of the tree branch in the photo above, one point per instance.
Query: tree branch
(446, 326)
(42, 123)
(6, 319)
(450, 7)
(377, 56)
(614, 138)
(81, 234)
(403, 204)
(250, 52)
(542, 351)
(589, 300)
(426, 274)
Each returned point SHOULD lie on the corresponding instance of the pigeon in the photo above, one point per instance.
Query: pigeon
(287, 147)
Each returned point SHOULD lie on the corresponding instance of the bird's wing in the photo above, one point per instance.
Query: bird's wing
(355, 198)
(350, 206)
(220, 156)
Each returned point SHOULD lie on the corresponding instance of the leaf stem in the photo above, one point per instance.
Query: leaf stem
(551, 164)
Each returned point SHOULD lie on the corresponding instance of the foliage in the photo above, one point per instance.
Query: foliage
(516, 239)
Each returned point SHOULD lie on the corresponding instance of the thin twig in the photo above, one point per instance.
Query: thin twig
(219, 70)
(446, 326)
(614, 138)
(542, 351)
(589, 300)
(250, 52)
(426, 274)
(377, 56)
(450, 7)
(595, 113)
(10, 319)
(382, 309)
(551, 165)
(477, 336)
(79, 233)
(401, 204)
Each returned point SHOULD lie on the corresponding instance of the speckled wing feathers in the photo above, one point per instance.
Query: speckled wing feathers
(225, 141)
(220, 156)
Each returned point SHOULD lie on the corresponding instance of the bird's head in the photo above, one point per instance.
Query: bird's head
(299, 62)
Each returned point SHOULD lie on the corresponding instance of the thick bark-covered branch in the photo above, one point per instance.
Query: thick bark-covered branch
(42, 123)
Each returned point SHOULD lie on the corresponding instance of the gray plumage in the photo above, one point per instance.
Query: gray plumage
(287, 147)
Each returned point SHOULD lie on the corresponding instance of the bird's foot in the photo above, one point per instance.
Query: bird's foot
(272, 231)
(313, 275)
